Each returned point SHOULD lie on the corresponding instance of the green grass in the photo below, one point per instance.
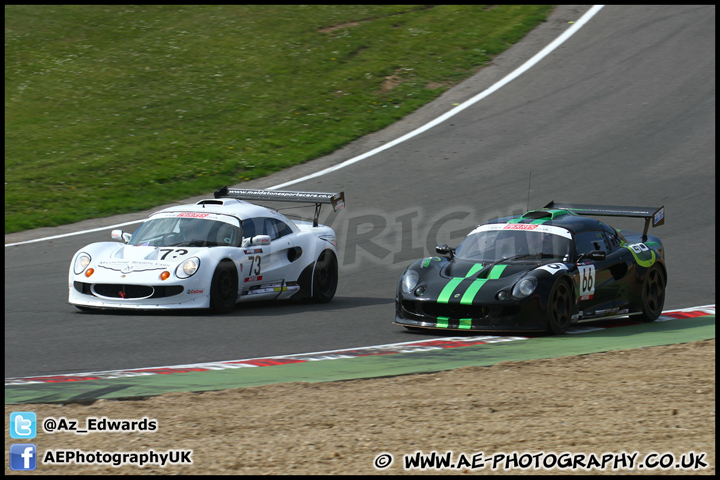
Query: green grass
(115, 109)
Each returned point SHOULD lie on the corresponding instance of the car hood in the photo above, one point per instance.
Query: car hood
(462, 268)
(127, 258)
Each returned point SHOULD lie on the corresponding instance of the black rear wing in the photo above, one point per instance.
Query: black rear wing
(654, 214)
(337, 200)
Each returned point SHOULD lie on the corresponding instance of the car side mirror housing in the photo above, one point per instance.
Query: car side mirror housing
(120, 235)
(260, 240)
(444, 250)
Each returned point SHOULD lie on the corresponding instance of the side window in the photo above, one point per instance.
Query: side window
(613, 237)
(250, 227)
(589, 241)
(276, 228)
(270, 228)
(282, 228)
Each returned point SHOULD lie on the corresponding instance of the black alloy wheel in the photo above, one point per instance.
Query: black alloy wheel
(559, 308)
(653, 295)
(325, 277)
(224, 288)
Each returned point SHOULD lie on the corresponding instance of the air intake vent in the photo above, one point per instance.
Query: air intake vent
(218, 201)
(549, 214)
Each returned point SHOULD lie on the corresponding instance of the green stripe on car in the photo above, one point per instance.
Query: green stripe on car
(447, 292)
(444, 296)
(472, 290)
(442, 322)
(475, 268)
(475, 287)
(496, 272)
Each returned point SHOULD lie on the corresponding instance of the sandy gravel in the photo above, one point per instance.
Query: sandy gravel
(653, 399)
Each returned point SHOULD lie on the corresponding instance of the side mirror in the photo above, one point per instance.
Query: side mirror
(120, 235)
(595, 255)
(444, 250)
(260, 240)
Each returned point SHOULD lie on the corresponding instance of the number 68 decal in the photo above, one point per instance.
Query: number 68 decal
(587, 280)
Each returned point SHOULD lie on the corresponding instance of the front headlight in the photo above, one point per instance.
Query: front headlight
(524, 287)
(410, 281)
(81, 263)
(188, 267)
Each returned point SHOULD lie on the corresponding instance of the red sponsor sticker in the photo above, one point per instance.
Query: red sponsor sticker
(194, 291)
(193, 215)
(253, 279)
(520, 226)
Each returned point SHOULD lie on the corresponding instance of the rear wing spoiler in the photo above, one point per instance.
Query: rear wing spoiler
(337, 200)
(654, 214)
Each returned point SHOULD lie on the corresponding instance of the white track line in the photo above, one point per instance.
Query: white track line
(512, 76)
(509, 78)
(74, 233)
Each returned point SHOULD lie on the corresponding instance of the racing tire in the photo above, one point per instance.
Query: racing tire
(224, 288)
(653, 295)
(325, 277)
(559, 309)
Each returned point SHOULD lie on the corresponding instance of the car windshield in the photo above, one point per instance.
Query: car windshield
(179, 231)
(496, 245)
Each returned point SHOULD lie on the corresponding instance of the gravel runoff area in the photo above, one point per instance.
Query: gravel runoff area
(648, 400)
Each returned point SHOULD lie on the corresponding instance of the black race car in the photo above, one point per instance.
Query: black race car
(541, 271)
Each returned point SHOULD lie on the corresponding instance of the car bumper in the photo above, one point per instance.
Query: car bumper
(106, 297)
(527, 317)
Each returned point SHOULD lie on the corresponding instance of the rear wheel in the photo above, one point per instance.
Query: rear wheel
(224, 288)
(653, 295)
(559, 308)
(325, 277)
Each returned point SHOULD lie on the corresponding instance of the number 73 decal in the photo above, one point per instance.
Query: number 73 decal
(587, 281)
(178, 252)
(255, 264)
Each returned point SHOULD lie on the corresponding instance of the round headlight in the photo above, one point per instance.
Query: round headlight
(188, 267)
(410, 281)
(525, 287)
(81, 263)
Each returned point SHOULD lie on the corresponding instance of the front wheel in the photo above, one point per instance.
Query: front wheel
(559, 308)
(325, 277)
(224, 288)
(653, 295)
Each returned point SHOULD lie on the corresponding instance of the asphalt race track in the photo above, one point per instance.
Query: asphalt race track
(622, 113)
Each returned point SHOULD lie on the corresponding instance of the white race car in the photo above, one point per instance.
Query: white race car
(212, 254)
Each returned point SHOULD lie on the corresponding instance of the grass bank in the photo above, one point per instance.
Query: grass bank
(113, 109)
